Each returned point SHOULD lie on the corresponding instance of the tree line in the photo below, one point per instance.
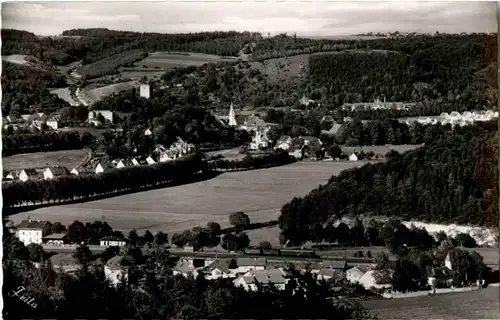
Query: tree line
(450, 180)
(18, 142)
(115, 180)
(153, 292)
(272, 159)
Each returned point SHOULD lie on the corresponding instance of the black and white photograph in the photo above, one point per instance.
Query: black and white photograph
(250, 160)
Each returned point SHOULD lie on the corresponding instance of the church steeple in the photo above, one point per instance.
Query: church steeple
(232, 117)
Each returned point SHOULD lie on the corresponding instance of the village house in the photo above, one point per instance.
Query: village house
(264, 277)
(334, 130)
(440, 277)
(112, 241)
(353, 157)
(139, 161)
(13, 175)
(53, 122)
(148, 132)
(304, 101)
(94, 115)
(26, 117)
(168, 156)
(65, 262)
(29, 174)
(185, 268)
(259, 141)
(32, 231)
(116, 269)
(124, 163)
(145, 91)
(355, 273)
(81, 171)
(152, 159)
(247, 264)
(368, 282)
(102, 167)
(57, 239)
(55, 172)
(296, 151)
(219, 269)
(284, 143)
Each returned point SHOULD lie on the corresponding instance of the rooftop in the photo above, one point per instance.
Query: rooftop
(32, 224)
(55, 236)
(265, 276)
(244, 262)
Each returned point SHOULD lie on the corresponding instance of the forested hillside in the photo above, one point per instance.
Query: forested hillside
(450, 180)
(24, 86)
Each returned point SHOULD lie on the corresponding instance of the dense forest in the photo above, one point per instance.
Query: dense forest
(449, 180)
(25, 88)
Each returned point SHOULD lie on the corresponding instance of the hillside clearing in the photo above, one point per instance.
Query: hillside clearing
(99, 93)
(64, 94)
(259, 193)
(65, 158)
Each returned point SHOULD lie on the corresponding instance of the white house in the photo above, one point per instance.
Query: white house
(94, 114)
(123, 163)
(32, 231)
(368, 281)
(247, 264)
(53, 122)
(219, 269)
(151, 160)
(353, 157)
(28, 174)
(145, 90)
(54, 172)
(80, 171)
(259, 141)
(185, 269)
(284, 143)
(116, 269)
(355, 273)
(168, 156)
(264, 277)
(113, 242)
(139, 161)
(100, 168)
(148, 132)
(295, 151)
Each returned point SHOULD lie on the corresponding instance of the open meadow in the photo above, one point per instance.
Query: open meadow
(259, 193)
(65, 158)
(479, 304)
(171, 60)
(99, 93)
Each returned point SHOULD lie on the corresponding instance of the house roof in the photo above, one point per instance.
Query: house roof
(244, 262)
(105, 165)
(63, 259)
(265, 276)
(113, 238)
(332, 273)
(440, 272)
(221, 264)
(363, 269)
(126, 162)
(282, 139)
(184, 267)
(32, 224)
(119, 261)
(30, 172)
(55, 236)
(59, 171)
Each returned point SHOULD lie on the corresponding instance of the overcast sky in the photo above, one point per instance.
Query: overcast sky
(321, 18)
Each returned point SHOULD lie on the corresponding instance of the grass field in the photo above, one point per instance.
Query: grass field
(170, 60)
(66, 158)
(480, 304)
(259, 193)
(64, 94)
(99, 93)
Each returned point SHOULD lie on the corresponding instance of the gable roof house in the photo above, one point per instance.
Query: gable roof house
(247, 264)
(32, 231)
(53, 121)
(117, 268)
(219, 269)
(148, 132)
(94, 115)
(55, 172)
(152, 159)
(55, 238)
(79, 171)
(29, 174)
(123, 163)
(103, 167)
(139, 161)
(65, 262)
(355, 273)
(264, 277)
(283, 143)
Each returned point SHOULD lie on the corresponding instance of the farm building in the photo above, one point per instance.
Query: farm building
(139, 161)
(168, 156)
(113, 241)
(259, 141)
(55, 239)
(264, 277)
(367, 280)
(355, 273)
(53, 122)
(152, 159)
(219, 269)
(353, 157)
(55, 172)
(32, 231)
(148, 132)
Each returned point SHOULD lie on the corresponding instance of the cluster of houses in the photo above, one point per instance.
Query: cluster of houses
(454, 118)
(160, 154)
(378, 105)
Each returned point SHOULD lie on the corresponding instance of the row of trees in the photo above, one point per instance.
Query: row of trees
(452, 179)
(153, 292)
(276, 158)
(112, 181)
(17, 142)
